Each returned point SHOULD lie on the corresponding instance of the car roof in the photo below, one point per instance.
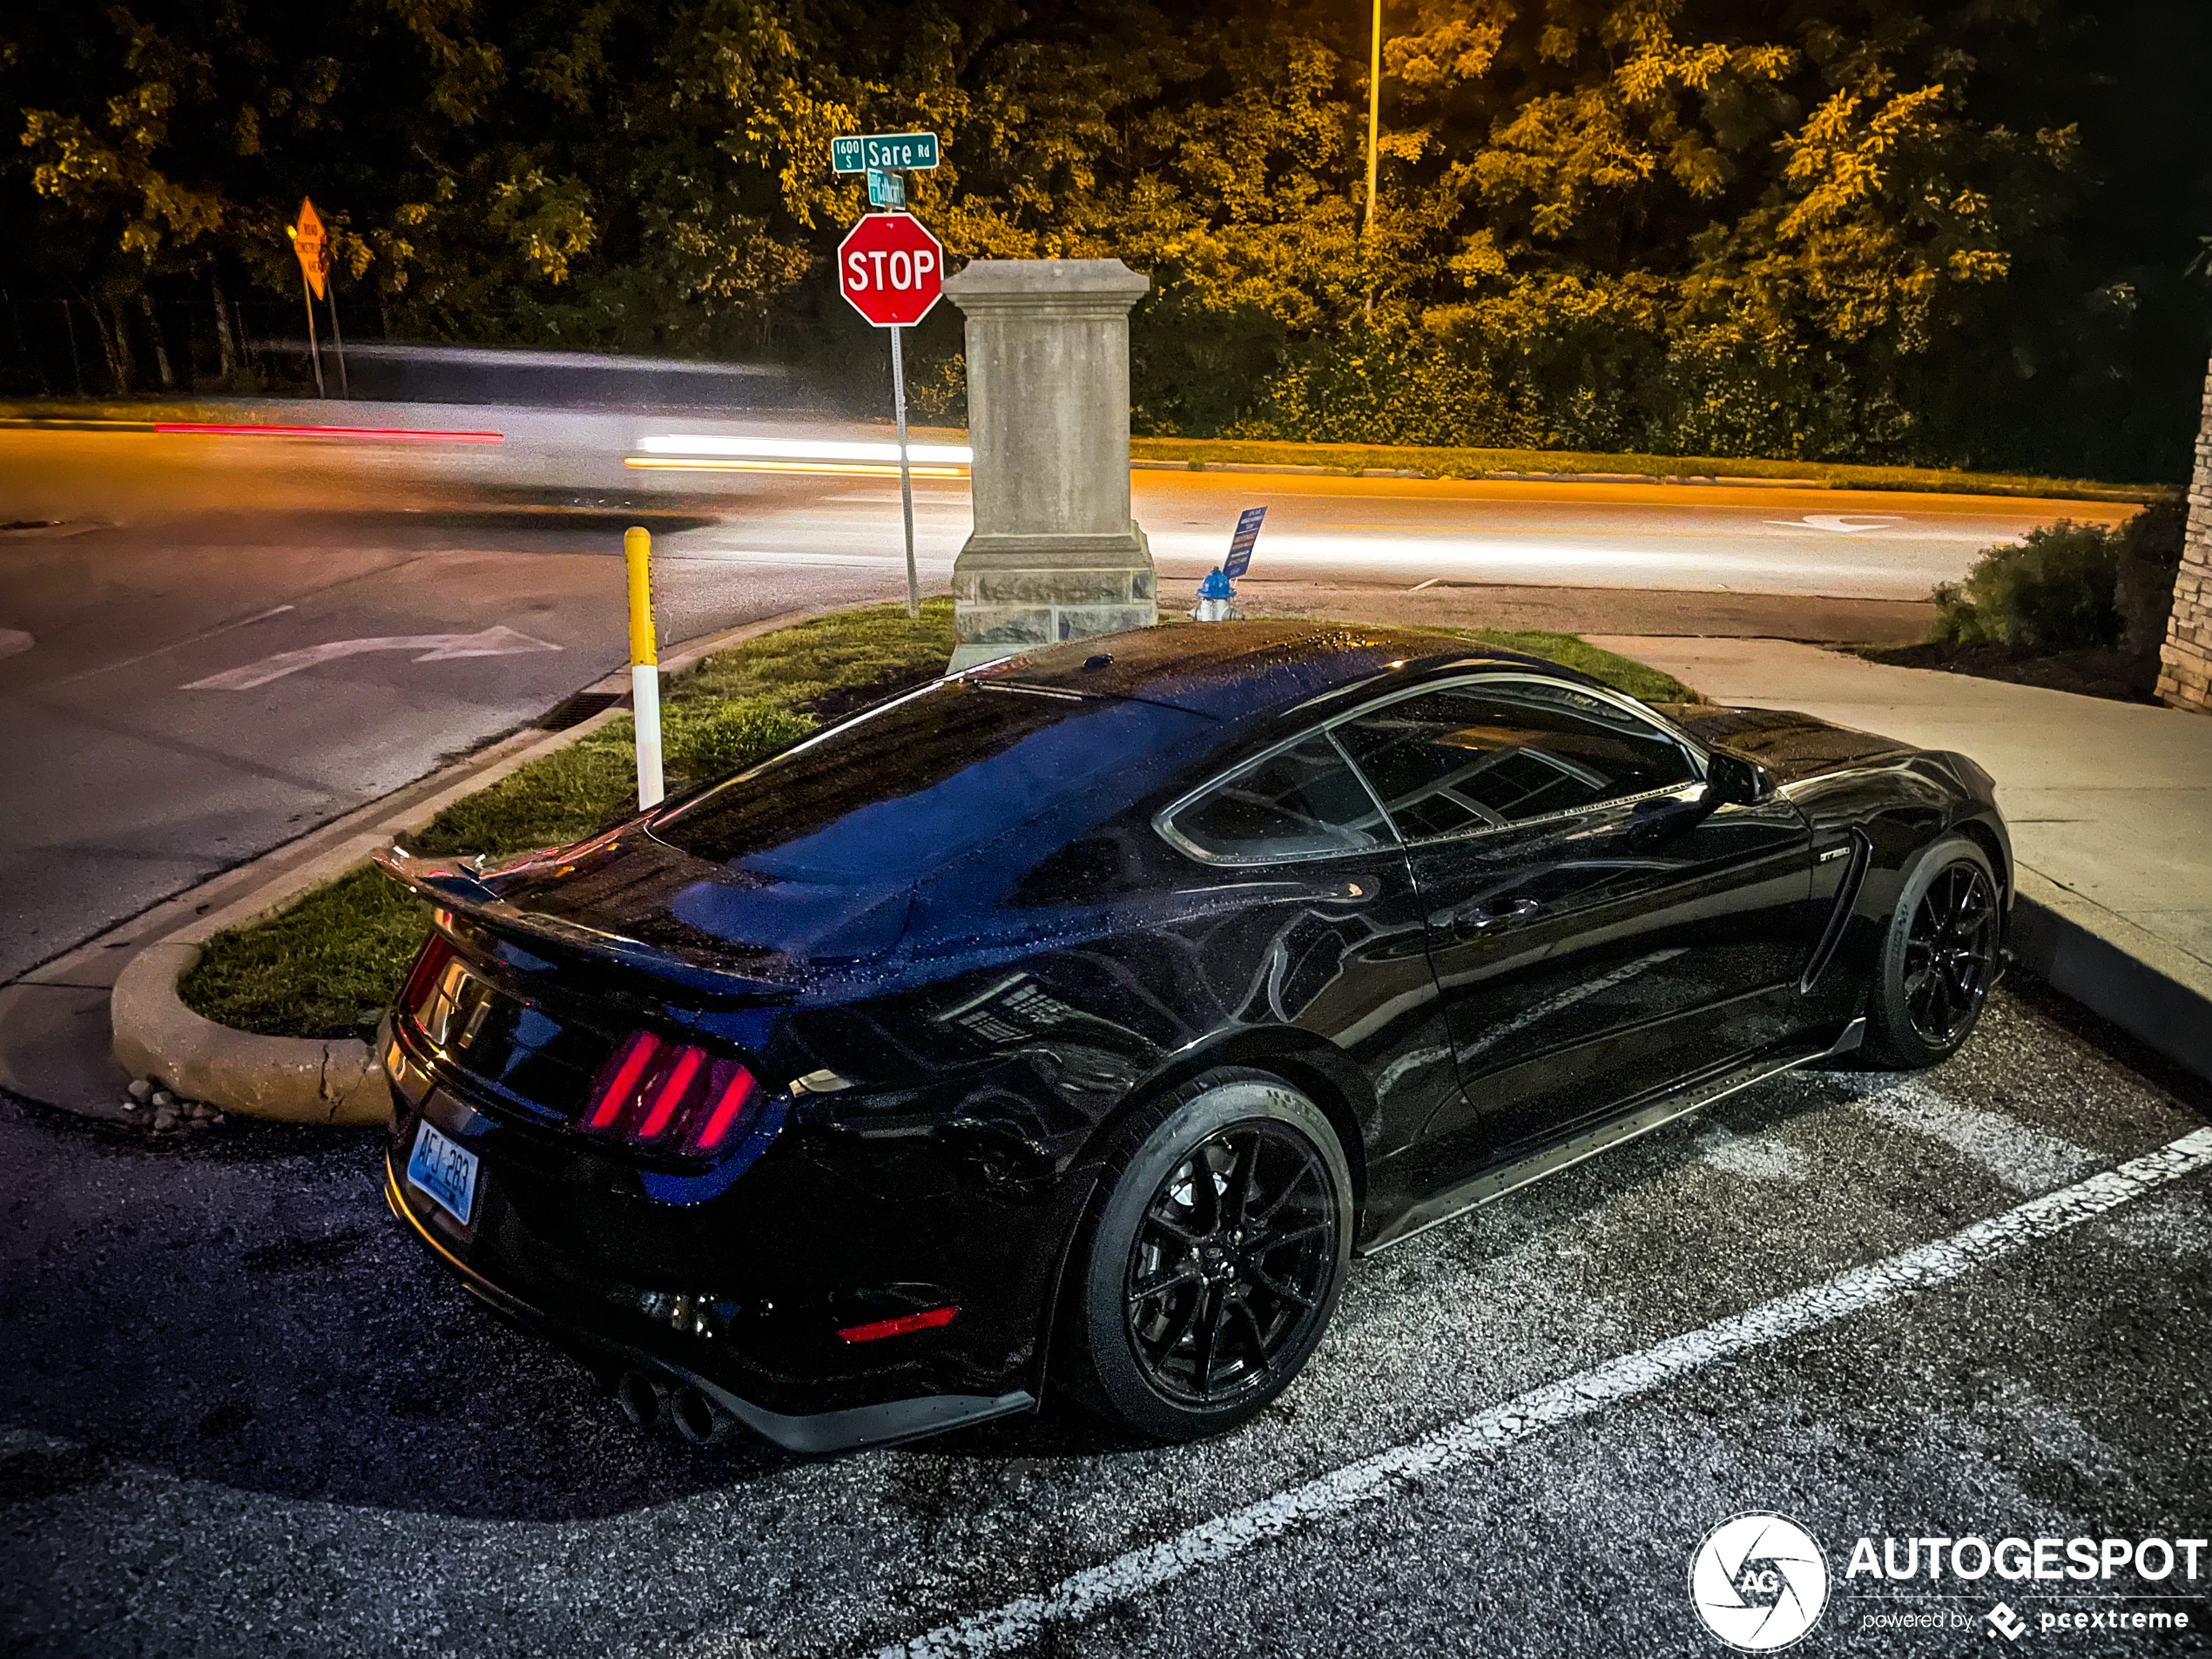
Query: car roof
(1238, 670)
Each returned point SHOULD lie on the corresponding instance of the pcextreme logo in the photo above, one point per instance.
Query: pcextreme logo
(1758, 1581)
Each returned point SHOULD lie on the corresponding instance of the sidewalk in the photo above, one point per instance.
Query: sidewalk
(2110, 805)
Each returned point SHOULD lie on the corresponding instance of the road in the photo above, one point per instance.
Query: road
(244, 1413)
(150, 574)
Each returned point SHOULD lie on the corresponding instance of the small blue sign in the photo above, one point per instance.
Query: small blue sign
(887, 189)
(1240, 544)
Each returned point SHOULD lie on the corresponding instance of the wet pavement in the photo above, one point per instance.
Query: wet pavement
(244, 1413)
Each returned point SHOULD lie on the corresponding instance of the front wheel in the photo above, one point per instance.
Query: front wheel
(1939, 959)
(1213, 1259)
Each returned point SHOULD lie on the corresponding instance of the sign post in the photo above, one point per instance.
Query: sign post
(338, 340)
(309, 243)
(892, 270)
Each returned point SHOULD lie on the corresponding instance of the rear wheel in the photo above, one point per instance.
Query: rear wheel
(1938, 959)
(1212, 1260)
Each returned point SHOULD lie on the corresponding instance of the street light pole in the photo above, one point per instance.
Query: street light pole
(1374, 131)
(1375, 112)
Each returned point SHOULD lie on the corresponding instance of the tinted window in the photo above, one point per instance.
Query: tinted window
(896, 791)
(1302, 802)
(1502, 752)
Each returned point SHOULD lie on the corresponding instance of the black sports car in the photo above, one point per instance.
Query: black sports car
(1071, 1022)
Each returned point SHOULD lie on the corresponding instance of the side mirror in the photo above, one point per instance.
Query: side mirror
(1733, 781)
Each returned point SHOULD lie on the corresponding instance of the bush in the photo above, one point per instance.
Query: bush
(2150, 559)
(2051, 592)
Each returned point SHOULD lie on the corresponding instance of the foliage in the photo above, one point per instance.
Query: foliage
(1893, 231)
(799, 666)
(1572, 650)
(324, 967)
(2051, 592)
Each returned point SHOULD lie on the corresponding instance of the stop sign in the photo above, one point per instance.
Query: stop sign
(891, 269)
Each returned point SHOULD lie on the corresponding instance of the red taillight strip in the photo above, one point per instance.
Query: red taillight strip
(671, 1090)
(417, 435)
(437, 951)
(734, 1095)
(900, 1327)
(637, 1053)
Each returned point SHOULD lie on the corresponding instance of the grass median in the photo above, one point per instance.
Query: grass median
(327, 964)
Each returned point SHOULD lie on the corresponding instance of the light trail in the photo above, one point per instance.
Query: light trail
(368, 433)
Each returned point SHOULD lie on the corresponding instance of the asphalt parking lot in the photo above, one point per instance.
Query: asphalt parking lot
(244, 1413)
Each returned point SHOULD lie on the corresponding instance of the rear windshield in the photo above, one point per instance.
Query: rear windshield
(901, 789)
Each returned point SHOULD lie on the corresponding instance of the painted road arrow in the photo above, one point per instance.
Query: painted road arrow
(496, 641)
(1836, 522)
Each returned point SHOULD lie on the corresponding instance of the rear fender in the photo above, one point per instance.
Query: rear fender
(1309, 1064)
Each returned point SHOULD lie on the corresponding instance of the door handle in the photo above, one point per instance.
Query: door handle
(1481, 918)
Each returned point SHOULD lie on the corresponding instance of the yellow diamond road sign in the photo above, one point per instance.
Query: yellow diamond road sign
(311, 245)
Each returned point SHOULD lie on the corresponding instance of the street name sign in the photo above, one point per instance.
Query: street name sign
(1241, 543)
(885, 151)
(891, 269)
(887, 189)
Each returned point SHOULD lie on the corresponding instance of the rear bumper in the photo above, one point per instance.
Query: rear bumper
(815, 1433)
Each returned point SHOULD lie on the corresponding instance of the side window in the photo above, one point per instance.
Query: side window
(1479, 756)
(1298, 803)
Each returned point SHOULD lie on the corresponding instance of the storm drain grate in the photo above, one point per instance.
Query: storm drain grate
(576, 709)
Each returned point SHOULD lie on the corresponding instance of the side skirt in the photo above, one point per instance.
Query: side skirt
(1495, 1184)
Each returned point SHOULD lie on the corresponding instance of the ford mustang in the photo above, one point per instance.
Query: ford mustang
(1068, 1025)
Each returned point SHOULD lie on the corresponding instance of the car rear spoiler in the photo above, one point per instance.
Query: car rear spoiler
(457, 888)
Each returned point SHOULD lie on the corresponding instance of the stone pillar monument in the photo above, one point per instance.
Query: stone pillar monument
(1056, 555)
(2185, 664)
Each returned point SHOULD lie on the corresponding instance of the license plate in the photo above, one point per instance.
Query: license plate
(445, 1170)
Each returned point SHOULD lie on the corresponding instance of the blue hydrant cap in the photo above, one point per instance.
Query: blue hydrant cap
(1217, 586)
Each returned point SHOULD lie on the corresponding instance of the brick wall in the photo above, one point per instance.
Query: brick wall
(2185, 665)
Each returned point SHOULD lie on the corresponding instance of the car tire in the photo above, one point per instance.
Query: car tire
(1191, 1303)
(1939, 956)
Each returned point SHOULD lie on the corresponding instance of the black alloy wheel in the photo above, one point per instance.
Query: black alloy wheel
(1939, 958)
(1232, 1255)
(1950, 953)
(1211, 1261)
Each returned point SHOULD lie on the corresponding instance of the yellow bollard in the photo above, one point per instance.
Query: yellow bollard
(645, 663)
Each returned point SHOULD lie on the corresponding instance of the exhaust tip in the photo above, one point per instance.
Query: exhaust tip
(640, 1398)
(699, 1419)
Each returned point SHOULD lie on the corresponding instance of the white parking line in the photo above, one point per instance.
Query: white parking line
(2024, 1158)
(1526, 1415)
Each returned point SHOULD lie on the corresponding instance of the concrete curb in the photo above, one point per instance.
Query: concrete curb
(311, 1079)
(290, 1080)
(2160, 995)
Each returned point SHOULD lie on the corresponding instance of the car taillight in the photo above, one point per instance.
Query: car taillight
(658, 1093)
(437, 951)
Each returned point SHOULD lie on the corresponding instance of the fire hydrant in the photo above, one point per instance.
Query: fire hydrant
(1216, 598)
